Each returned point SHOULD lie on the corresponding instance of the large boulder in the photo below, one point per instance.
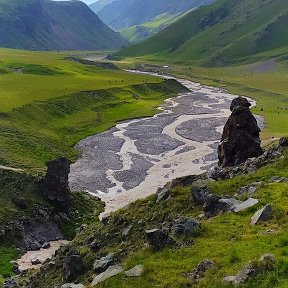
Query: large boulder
(73, 266)
(186, 227)
(158, 239)
(240, 139)
(54, 186)
(110, 272)
(262, 215)
(100, 265)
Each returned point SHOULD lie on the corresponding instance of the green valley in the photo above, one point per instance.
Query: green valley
(49, 103)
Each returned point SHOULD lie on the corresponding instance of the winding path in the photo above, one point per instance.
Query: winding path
(135, 158)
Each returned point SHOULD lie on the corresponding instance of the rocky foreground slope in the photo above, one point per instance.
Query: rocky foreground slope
(222, 229)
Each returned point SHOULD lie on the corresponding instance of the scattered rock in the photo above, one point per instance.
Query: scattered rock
(268, 258)
(105, 219)
(158, 239)
(71, 285)
(240, 139)
(127, 230)
(110, 272)
(247, 191)
(263, 214)
(247, 272)
(94, 246)
(103, 263)
(228, 280)
(277, 179)
(163, 193)
(186, 227)
(245, 205)
(199, 272)
(54, 186)
(10, 283)
(35, 261)
(46, 245)
(216, 205)
(200, 194)
(72, 266)
(20, 203)
(137, 271)
(283, 142)
(34, 246)
(266, 261)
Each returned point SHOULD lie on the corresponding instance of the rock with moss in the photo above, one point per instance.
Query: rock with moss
(158, 239)
(240, 139)
(54, 186)
(73, 266)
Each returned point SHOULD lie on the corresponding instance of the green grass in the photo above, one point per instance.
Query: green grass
(220, 34)
(229, 240)
(47, 104)
(7, 252)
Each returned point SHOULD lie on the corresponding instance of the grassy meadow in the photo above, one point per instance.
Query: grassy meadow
(48, 103)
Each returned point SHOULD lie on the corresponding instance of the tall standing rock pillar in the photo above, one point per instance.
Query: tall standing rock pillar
(240, 139)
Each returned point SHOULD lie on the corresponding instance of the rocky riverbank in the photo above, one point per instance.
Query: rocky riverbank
(135, 158)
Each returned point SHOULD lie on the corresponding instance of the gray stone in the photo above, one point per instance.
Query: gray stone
(103, 263)
(163, 193)
(199, 271)
(268, 258)
(73, 266)
(127, 230)
(158, 239)
(72, 285)
(186, 227)
(228, 280)
(10, 283)
(35, 261)
(245, 205)
(2, 232)
(262, 215)
(277, 179)
(243, 275)
(136, 271)
(110, 272)
(46, 245)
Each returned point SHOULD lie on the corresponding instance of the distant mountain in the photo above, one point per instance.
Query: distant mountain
(143, 17)
(225, 32)
(99, 5)
(51, 25)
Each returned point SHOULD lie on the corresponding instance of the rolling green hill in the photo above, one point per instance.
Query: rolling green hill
(138, 19)
(51, 25)
(225, 32)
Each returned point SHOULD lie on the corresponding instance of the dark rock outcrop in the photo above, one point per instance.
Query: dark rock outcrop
(186, 227)
(199, 272)
(73, 266)
(54, 186)
(240, 140)
(158, 239)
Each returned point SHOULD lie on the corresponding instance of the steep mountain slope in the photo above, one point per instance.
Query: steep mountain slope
(120, 14)
(50, 25)
(221, 33)
(97, 6)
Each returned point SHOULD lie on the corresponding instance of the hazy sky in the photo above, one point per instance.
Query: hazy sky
(85, 1)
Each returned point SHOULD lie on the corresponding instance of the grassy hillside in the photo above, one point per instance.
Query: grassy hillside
(47, 104)
(137, 19)
(228, 239)
(51, 25)
(139, 32)
(226, 32)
